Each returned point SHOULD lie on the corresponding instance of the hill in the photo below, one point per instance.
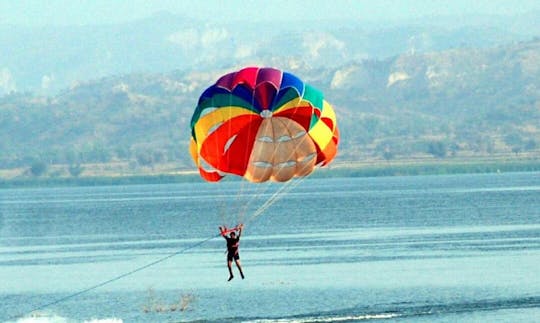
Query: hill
(48, 59)
(462, 102)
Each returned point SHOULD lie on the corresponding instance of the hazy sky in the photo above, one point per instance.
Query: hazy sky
(83, 12)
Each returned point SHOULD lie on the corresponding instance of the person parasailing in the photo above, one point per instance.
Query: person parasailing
(263, 125)
(233, 242)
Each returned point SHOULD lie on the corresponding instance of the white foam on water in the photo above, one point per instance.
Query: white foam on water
(331, 318)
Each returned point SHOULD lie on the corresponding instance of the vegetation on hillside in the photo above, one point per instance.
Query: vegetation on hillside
(449, 104)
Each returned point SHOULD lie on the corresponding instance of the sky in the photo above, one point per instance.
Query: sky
(91, 12)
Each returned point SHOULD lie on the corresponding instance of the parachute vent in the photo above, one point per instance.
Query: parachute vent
(228, 144)
(266, 139)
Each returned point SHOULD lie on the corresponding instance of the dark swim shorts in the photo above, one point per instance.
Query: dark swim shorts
(233, 255)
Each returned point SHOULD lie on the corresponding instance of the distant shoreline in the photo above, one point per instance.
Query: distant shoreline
(341, 169)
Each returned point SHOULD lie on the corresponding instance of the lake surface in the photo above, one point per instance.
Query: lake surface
(410, 249)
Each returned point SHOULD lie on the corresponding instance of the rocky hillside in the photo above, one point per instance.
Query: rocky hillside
(457, 102)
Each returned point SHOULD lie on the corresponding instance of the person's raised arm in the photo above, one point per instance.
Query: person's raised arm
(222, 231)
(240, 227)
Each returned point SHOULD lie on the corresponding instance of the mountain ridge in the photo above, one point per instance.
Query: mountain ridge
(48, 59)
(458, 102)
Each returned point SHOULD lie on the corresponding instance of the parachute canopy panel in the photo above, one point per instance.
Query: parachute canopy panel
(262, 124)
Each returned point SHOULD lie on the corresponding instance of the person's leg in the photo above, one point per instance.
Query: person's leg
(229, 265)
(238, 265)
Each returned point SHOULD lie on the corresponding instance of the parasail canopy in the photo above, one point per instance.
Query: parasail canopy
(262, 124)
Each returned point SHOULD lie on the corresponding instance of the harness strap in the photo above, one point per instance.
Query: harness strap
(227, 231)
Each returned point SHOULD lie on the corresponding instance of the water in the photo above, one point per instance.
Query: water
(410, 249)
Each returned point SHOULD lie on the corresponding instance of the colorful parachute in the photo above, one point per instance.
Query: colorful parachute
(262, 124)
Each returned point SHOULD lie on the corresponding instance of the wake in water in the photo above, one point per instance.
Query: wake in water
(405, 310)
(402, 311)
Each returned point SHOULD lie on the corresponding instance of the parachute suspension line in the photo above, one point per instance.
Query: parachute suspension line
(223, 212)
(262, 188)
(243, 206)
(240, 202)
(106, 282)
(270, 201)
(285, 187)
(257, 191)
(259, 188)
